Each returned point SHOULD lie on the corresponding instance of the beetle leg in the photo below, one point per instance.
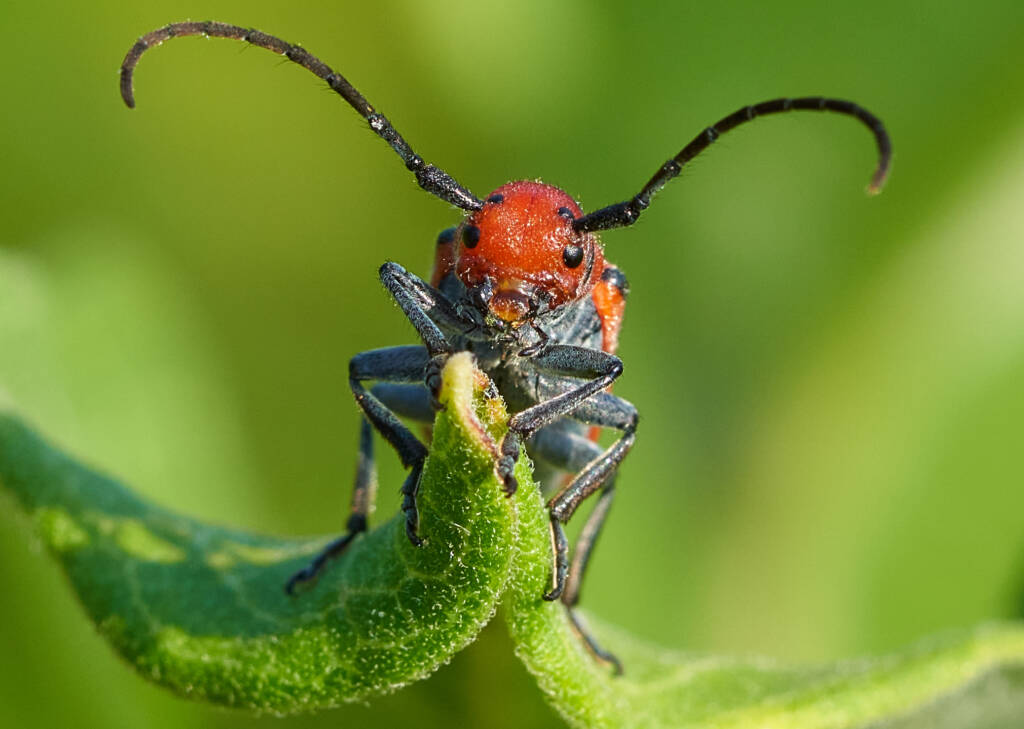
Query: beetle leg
(363, 494)
(580, 628)
(569, 450)
(405, 400)
(401, 370)
(427, 308)
(573, 452)
(607, 411)
(398, 368)
(397, 365)
(564, 363)
(558, 366)
(586, 542)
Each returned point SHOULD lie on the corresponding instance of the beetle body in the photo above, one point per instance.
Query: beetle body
(523, 284)
(521, 265)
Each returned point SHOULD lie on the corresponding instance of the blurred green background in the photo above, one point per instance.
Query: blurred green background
(831, 386)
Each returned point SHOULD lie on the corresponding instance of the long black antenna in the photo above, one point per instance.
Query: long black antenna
(432, 179)
(626, 213)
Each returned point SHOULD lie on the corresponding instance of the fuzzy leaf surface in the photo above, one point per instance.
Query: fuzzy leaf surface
(200, 609)
(961, 680)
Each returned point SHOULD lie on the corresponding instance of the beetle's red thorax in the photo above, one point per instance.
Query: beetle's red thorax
(519, 240)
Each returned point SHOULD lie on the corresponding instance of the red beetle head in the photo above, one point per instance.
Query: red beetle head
(521, 254)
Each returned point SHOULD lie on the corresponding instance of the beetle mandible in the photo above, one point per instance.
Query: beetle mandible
(522, 283)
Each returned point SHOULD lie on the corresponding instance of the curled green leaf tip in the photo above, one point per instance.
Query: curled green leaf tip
(200, 608)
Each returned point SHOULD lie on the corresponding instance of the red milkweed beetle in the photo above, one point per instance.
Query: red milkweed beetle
(523, 284)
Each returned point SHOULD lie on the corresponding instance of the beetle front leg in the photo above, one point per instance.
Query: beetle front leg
(426, 308)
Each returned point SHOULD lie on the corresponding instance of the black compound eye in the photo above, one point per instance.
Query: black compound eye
(446, 236)
(496, 198)
(470, 236)
(572, 255)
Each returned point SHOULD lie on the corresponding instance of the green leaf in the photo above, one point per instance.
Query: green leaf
(958, 681)
(200, 609)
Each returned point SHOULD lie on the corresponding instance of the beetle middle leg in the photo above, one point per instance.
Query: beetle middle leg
(571, 451)
(409, 383)
(394, 365)
(607, 411)
(559, 368)
(567, 449)
(401, 372)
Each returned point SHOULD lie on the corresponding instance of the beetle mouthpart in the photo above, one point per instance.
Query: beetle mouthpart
(510, 305)
(480, 296)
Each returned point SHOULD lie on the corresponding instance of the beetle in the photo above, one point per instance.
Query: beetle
(522, 283)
